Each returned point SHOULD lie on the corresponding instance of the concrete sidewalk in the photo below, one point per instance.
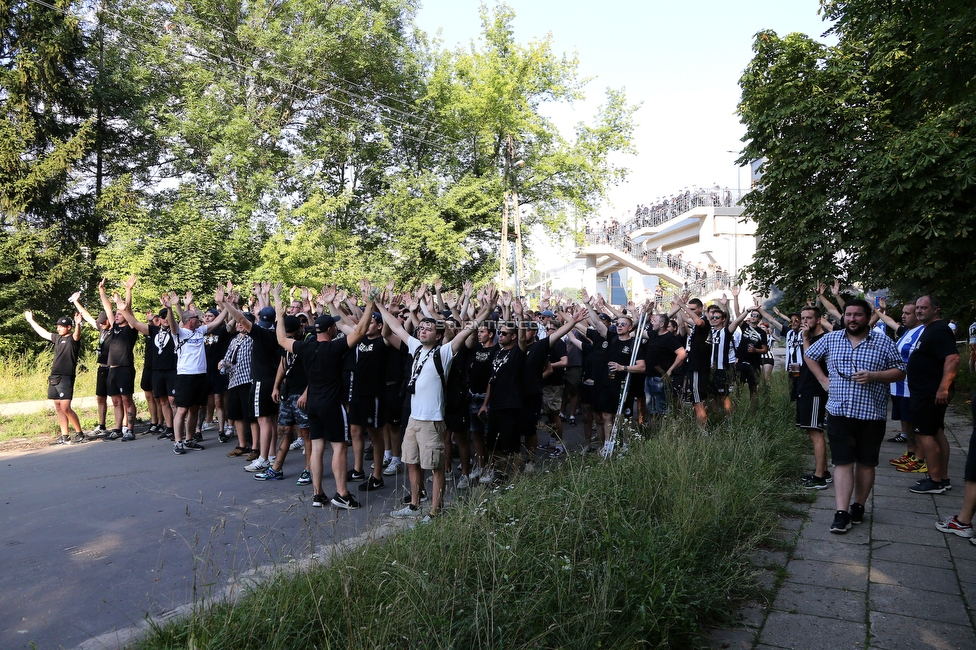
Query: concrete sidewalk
(893, 582)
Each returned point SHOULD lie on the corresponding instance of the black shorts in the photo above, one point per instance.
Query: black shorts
(572, 379)
(970, 471)
(63, 389)
(191, 390)
(718, 384)
(328, 422)
(854, 441)
(746, 373)
(101, 382)
(811, 411)
(901, 408)
(927, 417)
(475, 422)
(164, 383)
(238, 406)
(502, 436)
(457, 414)
(261, 403)
(145, 381)
(218, 382)
(392, 404)
(366, 412)
(589, 393)
(608, 401)
(529, 417)
(695, 384)
(121, 380)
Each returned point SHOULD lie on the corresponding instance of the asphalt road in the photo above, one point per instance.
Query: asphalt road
(98, 536)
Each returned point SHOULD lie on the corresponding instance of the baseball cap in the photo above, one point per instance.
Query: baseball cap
(102, 318)
(292, 324)
(266, 317)
(548, 314)
(249, 316)
(323, 323)
(65, 321)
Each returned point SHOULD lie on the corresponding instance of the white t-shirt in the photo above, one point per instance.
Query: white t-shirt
(427, 401)
(191, 354)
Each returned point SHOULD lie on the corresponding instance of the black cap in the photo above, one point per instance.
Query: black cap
(64, 321)
(323, 323)
(292, 324)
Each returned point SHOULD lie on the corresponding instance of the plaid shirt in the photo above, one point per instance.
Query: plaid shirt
(846, 397)
(237, 361)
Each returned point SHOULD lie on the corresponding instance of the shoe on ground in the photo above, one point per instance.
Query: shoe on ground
(61, 440)
(128, 436)
(269, 475)
(347, 502)
(904, 458)
(193, 445)
(355, 475)
(475, 473)
(572, 420)
(558, 452)
(259, 465)
(828, 477)
(79, 438)
(407, 512)
(462, 483)
(318, 500)
(368, 454)
(842, 522)
(898, 438)
(430, 516)
(114, 434)
(487, 477)
(393, 468)
(408, 499)
(98, 432)
(857, 513)
(163, 434)
(253, 455)
(953, 525)
(207, 426)
(198, 436)
(305, 478)
(914, 466)
(237, 451)
(153, 428)
(372, 483)
(928, 486)
(297, 444)
(178, 448)
(814, 482)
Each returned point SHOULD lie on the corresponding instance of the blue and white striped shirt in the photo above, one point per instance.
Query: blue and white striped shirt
(905, 345)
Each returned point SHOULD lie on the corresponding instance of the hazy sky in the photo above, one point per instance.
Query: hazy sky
(683, 60)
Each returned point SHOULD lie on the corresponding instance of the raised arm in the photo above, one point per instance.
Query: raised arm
(130, 318)
(73, 299)
(43, 333)
(280, 334)
(468, 328)
(106, 303)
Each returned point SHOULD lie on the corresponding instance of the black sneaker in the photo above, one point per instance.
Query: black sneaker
(97, 432)
(79, 438)
(372, 484)
(347, 502)
(827, 476)
(193, 445)
(164, 434)
(222, 438)
(842, 522)
(318, 500)
(198, 436)
(928, 486)
(408, 498)
(857, 513)
(368, 454)
(946, 484)
(354, 475)
(178, 448)
(815, 482)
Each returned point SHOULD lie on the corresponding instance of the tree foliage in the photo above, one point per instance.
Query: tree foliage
(869, 148)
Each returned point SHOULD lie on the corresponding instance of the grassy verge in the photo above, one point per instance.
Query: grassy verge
(24, 378)
(644, 551)
(42, 425)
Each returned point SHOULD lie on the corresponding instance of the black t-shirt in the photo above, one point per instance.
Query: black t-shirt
(699, 350)
(368, 378)
(120, 346)
(323, 365)
(397, 364)
(597, 359)
(101, 352)
(265, 353)
(660, 351)
(456, 383)
(807, 384)
(557, 350)
(536, 357)
(506, 377)
(296, 377)
(215, 345)
(619, 351)
(754, 336)
(935, 343)
(161, 348)
(66, 350)
(479, 368)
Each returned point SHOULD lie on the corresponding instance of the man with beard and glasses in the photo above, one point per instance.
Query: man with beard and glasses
(860, 362)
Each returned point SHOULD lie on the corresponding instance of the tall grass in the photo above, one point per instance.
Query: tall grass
(640, 551)
(23, 378)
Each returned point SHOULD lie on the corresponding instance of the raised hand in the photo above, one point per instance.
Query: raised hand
(118, 300)
(73, 298)
(164, 300)
(467, 287)
(437, 284)
(130, 282)
(276, 292)
(29, 315)
(219, 294)
(101, 284)
(187, 299)
(835, 289)
(735, 290)
(506, 299)
(328, 294)
(77, 318)
(341, 295)
(820, 288)
(724, 301)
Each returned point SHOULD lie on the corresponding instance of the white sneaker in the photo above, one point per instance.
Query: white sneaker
(406, 512)
(475, 473)
(487, 477)
(393, 468)
(462, 483)
(531, 467)
(298, 444)
(259, 465)
(207, 426)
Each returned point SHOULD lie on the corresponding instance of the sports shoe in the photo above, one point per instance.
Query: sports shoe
(193, 445)
(79, 438)
(347, 502)
(318, 500)
(558, 452)
(842, 522)
(98, 432)
(462, 483)
(198, 436)
(153, 428)
(355, 475)
(487, 477)
(298, 443)
(531, 467)
(305, 478)
(128, 436)
(113, 434)
(828, 477)
(572, 420)
(406, 512)
(475, 473)
(946, 484)
(857, 513)
(368, 454)
(178, 448)
(423, 497)
(259, 465)
(430, 516)
(904, 458)
(61, 440)
(899, 438)
(952, 525)
(269, 475)
(236, 451)
(928, 486)
(221, 438)
(253, 455)
(815, 483)
(372, 483)
(207, 426)
(394, 467)
(914, 466)
(164, 434)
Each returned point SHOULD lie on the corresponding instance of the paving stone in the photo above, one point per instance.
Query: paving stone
(964, 556)
(765, 558)
(731, 639)
(829, 574)
(820, 601)
(942, 607)
(912, 576)
(969, 591)
(908, 535)
(856, 535)
(901, 504)
(894, 632)
(826, 550)
(931, 556)
(804, 632)
(791, 523)
(904, 518)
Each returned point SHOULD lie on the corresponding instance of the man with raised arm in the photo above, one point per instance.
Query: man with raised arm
(61, 383)
(327, 419)
(104, 328)
(192, 386)
(121, 379)
(860, 362)
(423, 441)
